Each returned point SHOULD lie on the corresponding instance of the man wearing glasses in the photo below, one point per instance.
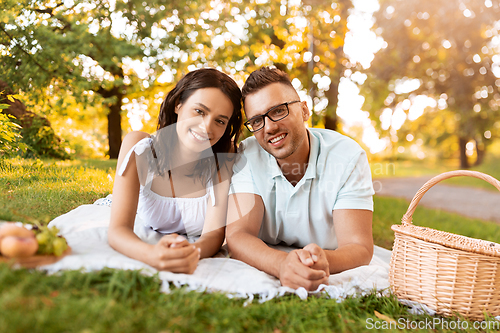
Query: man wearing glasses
(301, 187)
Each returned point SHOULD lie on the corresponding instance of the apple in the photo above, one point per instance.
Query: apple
(12, 229)
(17, 247)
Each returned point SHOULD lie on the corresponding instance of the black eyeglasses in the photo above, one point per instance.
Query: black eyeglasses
(276, 113)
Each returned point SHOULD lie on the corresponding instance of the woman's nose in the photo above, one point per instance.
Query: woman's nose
(206, 124)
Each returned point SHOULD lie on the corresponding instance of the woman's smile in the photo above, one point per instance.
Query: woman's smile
(198, 136)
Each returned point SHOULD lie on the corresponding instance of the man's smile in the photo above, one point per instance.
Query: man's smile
(277, 139)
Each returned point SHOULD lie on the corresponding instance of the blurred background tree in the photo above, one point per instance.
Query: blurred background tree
(99, 69)
(449, 52)
(76, 57)
(304, 39)
(67, 48)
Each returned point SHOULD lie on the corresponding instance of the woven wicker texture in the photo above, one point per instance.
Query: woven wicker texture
(452, 274)
(450, 240)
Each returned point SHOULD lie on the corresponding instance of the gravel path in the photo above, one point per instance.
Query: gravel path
(467, 201)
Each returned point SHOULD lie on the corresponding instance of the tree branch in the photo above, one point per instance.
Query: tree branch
(48, 10)
(23, 50)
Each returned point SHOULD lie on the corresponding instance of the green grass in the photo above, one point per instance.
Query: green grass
(416, 168)
(389, 211)
(490, 167)
(127, 301)
(46, 189)
(409, 168)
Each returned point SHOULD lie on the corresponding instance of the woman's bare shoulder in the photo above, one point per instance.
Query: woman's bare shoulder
(135, 136)
(132, 138)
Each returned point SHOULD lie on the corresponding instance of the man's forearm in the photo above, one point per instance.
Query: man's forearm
(256, 253)
(347, 257)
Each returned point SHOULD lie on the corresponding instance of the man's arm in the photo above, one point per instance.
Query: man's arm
(245, 215)
(353, 228)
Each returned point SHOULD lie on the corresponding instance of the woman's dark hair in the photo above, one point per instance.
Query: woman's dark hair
(192, 81)
(262, 78)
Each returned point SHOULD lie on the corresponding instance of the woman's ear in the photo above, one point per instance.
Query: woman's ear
(177, 107)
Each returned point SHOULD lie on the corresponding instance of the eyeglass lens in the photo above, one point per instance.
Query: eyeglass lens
(277, 113)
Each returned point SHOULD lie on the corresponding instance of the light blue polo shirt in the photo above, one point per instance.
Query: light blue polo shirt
(337, 177)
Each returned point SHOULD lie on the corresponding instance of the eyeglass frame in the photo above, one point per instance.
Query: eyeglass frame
(263, 116)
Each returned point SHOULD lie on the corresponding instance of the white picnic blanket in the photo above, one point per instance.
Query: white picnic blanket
(85, 228)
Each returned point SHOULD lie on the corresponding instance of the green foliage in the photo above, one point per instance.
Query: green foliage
(41, 140)
(64, 55)
(9, 135)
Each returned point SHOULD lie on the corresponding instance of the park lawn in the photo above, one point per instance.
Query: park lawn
(46, 189)
(409, 168)
(127, 301)
(424, 168)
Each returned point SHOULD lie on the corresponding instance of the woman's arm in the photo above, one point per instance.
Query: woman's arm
(171, 253)
(214, 229)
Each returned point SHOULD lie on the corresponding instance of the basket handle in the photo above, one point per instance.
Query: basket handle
(407, 218)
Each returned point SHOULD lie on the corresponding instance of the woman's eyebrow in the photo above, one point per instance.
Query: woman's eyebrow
(203, 106)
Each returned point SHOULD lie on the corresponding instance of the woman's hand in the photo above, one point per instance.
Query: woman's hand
(173, 253)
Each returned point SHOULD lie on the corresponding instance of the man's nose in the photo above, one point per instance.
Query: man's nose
(269, 125)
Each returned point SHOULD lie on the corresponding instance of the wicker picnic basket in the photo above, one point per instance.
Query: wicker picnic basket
(451, 274)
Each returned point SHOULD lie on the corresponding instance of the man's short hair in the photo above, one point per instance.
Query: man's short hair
(262, 78)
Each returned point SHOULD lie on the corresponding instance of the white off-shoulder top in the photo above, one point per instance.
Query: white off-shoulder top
(167, 214)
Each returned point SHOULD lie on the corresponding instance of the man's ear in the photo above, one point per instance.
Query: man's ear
(305, 111)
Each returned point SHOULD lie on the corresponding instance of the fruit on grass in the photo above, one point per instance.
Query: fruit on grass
(49, 242)
(12, 229)
(46, 240)
(60, 246)
(15, 243)
(17, 247)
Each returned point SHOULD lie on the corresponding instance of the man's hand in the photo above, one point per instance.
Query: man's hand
(315, 257)
(295, 273)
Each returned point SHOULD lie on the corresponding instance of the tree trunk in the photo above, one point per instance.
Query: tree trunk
(311, 86)
(331, 122)
(464, 161)
(115, 128)
(480, 152)
(114, 119)
(330, 118)
(332, 94)
(18, 110)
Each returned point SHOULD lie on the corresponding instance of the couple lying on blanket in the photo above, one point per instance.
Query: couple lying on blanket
(288, 184)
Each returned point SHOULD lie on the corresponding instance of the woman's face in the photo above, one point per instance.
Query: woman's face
(203, 119)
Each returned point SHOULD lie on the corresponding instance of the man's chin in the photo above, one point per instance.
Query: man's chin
(278, 153)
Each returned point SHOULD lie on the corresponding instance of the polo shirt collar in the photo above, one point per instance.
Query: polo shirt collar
(313, 156)
(275, 170)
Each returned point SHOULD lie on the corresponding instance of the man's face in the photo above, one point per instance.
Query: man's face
(282, 138)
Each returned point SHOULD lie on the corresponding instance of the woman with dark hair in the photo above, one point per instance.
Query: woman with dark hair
(176, 181)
